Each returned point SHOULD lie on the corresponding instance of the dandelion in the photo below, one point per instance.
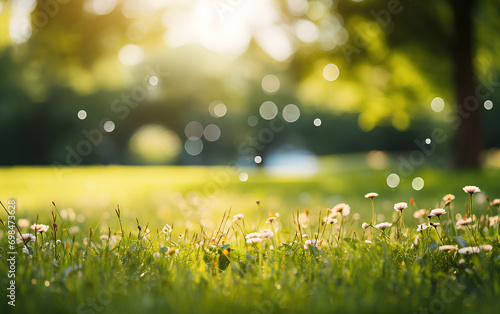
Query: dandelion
(469, 250)
(270, 220)
(420, 213)
(40, 228)
(253, 235)
(486, 247)
(422, 227)
(238, 217)
(365, 225)
(312, 242)
(343, 208)
(383, 225)
(448, 248)
(437, 212)
(447, 201)
(400, 206)
(331, 221)
(464, 221)
(167, 229)
(254, 240)
(371, 195)
(448, 197)
(493, 220)
(471, 189)
(25, 237)
(266, 233)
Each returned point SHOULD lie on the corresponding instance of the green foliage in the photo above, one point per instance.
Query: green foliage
(217, 270)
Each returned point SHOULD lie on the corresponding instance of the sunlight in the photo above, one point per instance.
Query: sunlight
(20, 29)
(227, 27)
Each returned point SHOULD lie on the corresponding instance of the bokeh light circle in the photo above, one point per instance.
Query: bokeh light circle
(109, 126)
(331, 72)
(437, 104)
(130, 54)
(243, 176)
(193, 146)
(252, 121)
(217, 109)
(82, 114)
(488, 105)
(155, 144)
(193, 130)
(270, 84)
(291, 113)
(393, 180)
(417, 183)
(306, 31)
(268, 110)
(212, 132)
(153, 80)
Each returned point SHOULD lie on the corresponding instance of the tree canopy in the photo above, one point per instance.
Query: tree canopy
(374, 71)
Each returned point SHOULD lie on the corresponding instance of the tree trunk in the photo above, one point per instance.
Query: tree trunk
(467, 142)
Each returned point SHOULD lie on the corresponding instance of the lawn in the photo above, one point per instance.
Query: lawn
(208, 262)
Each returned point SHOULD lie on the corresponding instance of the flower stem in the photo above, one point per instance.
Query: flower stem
(452, 221)
(470, 209)
(374, 218)
(438, 235)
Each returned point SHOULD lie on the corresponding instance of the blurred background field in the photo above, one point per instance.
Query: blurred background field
(189, 196)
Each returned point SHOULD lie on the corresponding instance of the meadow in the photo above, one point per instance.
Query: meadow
(198, 240)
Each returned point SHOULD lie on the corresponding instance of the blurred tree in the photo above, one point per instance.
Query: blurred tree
(399, 56)
(87, 54)
(467, 142)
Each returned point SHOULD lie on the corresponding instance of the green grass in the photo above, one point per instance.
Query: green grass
(190, 195)
(343, 274)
